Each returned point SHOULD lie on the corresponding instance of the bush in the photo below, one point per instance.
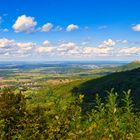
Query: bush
(106, 121)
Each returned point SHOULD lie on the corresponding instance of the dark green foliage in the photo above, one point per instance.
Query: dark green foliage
(121, 81)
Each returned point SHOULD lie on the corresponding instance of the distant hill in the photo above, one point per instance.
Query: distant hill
(129, 66)
(120, 81)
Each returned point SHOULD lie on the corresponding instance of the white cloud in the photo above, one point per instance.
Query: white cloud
(7, 53)
(122, 41)
(46, 27)
(46, 43)
(136, 27)
(96, 51)
(69, 45)
(130, 51)
(41, 49)
(45, 49)
(125, 41)
(26, 45)
(69, 48)
(13, 49)
(107, 43)
(72, 27)
(6, 43)
(24, 24)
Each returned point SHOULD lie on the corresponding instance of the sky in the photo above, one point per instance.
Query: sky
(45, 30)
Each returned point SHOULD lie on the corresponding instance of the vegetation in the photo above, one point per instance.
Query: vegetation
(64, 105)
(22, 120)
(120, 81)
(129, 66)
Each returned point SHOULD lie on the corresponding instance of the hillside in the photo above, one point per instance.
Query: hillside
(120, 81)
(129, 66)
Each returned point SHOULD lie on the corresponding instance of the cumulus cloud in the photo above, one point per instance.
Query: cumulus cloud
(129, 51)
(73, 50)
(107, 43)
(45, 49)
(46, 43)
(6, 43)
(24, 24)
(27, 24)
(122, 41)
(25, 48)
(69, 45)
(69, 48)
(91, 51)
(12, 48)
(125, 41)
(72, 27)
(46, 27)
(136, 27)
(27, 45)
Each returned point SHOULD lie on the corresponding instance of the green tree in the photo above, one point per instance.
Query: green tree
(12, 114)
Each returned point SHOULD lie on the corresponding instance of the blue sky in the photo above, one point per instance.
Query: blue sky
(69, 29)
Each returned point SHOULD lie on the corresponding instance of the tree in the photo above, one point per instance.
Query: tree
(12, 113)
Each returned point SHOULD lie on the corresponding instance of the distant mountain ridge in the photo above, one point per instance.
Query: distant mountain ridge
(129, 66)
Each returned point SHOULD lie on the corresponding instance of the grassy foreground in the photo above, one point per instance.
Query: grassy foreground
(56, 119)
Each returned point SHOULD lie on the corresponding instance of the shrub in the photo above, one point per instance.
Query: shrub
(107, 120)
